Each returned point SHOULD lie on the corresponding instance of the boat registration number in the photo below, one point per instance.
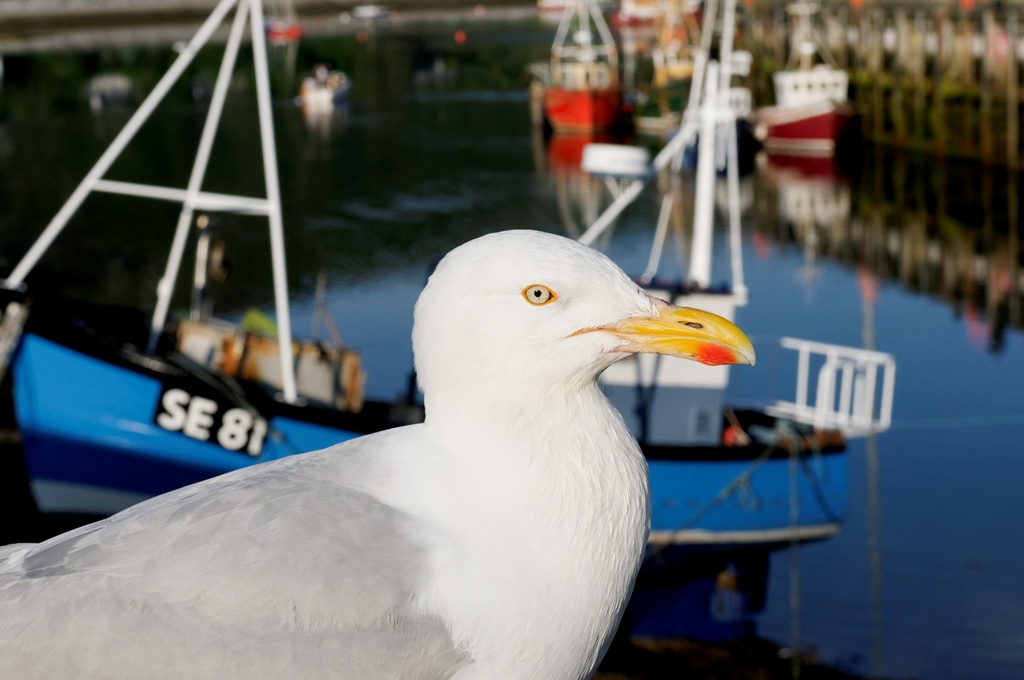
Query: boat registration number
(233, 428)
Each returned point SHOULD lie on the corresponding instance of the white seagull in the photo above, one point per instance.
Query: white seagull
(498, 539)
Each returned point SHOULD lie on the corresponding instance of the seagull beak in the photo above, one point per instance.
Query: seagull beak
(685, 332)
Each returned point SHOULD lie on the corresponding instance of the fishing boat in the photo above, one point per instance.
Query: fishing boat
(282, 26)
(110, 90)
(728, 484)
(637, 13)
(111, 405)
(812, 111)
(713, 99)
(369, 13)
(719, 474)
(582, 92)
(324, 88)
(553, 9)
(281, 31)
(660, 102)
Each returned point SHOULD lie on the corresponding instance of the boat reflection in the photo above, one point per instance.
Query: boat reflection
(324, 119)
(707, 595)
(579, 197)
(932, 228)
(813, 196)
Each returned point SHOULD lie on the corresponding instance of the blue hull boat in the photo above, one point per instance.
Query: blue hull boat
(759, 493)
(112, 407)
(719, 474)
(718, 512)
(104, 424)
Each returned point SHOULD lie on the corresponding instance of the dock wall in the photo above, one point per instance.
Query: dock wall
(945, 79)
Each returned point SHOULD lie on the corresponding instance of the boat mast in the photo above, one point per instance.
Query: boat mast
(806, 42)
(274, 216)
(165, 287)
(579, 46)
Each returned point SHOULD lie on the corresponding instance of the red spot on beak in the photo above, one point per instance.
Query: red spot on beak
(715, 355)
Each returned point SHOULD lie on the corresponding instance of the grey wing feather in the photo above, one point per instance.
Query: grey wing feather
(274, 571)
(8, 550)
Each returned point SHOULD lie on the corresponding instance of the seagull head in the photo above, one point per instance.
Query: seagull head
(520, 310)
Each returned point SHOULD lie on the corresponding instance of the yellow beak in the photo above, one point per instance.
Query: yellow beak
(685, 332)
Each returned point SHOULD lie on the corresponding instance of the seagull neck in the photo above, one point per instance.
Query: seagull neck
(548, 437)
(508, 412)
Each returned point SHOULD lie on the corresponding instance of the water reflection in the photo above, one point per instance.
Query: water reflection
(941, 231)
(904, 228)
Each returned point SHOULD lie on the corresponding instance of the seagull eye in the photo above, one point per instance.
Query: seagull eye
(539, 295)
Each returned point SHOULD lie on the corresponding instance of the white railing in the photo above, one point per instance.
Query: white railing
(853, 392)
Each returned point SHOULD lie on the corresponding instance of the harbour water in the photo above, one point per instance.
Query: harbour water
(896, 252)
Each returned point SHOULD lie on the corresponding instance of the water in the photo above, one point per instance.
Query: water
(911, 258)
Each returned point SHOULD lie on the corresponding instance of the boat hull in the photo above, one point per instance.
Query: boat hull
(98, 435)
(718, 513)
(280, 31)
(813, 129)
(577, 111)
(741, 496)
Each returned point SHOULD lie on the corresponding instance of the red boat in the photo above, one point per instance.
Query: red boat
(812, 110)
(811, 128)
(583, 93)
(280, 31)
(590, 110)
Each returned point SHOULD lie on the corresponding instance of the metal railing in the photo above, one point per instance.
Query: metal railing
(853, 391)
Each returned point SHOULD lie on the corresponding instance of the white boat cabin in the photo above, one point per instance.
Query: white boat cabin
(819, 84)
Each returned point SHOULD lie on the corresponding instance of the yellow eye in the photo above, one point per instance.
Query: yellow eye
(539, 295)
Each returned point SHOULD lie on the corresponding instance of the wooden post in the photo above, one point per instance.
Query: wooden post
(986, 146)
(858, 74)
(843, 17)
(898, 112)
(876, 28)
(1012, 95)
(938, 79)
(781, 40)
(968, 145)
(920, 74)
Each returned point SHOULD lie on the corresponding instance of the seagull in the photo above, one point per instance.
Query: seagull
(498, 539)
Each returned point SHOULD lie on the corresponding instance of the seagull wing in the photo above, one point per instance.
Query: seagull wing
(290, 569)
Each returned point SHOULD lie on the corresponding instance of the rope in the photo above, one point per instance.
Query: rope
(740, 481)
